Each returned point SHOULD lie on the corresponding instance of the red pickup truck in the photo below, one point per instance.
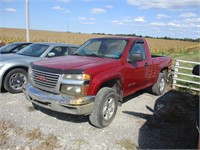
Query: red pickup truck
(95, 79)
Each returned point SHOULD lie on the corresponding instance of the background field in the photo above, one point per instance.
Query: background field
(174, 48)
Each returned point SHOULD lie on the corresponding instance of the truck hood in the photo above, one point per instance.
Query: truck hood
(73, 62)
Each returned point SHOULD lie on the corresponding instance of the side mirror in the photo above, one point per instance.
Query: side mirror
(51, 54)
(196, 70)
(135, 57)
(15, 51)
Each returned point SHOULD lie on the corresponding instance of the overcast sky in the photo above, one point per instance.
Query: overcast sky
(158, 18)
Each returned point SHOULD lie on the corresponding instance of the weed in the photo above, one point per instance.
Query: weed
(3, 138)
(44, 142)
(31, 109)
(4, 126)
(127, 144)
(34, 134)
(81, 142)
(50, 142)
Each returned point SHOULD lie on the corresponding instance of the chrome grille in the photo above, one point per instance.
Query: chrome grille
(46, 80)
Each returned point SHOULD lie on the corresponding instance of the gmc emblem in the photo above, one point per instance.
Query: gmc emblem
(42, 78)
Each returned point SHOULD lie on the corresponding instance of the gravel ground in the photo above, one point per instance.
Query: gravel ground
(135, 126)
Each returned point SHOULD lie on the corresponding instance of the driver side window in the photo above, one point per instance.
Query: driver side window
(58, 51)
(138, 48)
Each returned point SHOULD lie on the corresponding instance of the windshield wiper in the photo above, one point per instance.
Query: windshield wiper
(26, 54)
(95, 55)
(77, 54)
(20, 54)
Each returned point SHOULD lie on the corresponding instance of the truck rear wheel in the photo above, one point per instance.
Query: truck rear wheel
(105, 107)
(14, 80)
(159, 87)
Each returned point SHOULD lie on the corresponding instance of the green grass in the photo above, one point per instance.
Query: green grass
(190, 56)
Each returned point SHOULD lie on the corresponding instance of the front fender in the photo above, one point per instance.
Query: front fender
(98, 80)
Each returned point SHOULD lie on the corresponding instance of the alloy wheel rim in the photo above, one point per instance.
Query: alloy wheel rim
(108, 108)
(162, 84)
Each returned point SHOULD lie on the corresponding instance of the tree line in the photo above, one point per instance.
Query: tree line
(165, 37)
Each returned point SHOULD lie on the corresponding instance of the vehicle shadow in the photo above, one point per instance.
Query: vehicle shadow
(134, 95)
(63, 116)
(172, 124)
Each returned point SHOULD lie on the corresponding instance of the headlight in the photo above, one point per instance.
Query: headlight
(30, 74)
(84, 77)
(30, 70)
(74, 84)
(74, 90)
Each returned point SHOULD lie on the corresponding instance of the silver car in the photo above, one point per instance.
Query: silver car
(14, 67)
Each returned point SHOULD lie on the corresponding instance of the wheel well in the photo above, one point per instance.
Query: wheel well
(18, 67)
(165, 71)
(111, 83)
(115, 84)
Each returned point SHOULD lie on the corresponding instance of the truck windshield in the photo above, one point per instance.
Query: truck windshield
(34, 50)
(102, 47)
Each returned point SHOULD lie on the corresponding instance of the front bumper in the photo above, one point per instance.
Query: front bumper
(57, 102)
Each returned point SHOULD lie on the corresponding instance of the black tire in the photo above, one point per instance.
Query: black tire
(102, 108)
(14, 80)
(159, 87)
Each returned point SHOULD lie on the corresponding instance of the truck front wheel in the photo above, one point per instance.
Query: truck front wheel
(159, 87)
(105, 107)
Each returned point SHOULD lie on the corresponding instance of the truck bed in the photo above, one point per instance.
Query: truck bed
(154, 56)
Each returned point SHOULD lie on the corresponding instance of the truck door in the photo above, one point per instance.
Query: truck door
(136, 71)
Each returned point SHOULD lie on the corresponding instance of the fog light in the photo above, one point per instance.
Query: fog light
(79, 101)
